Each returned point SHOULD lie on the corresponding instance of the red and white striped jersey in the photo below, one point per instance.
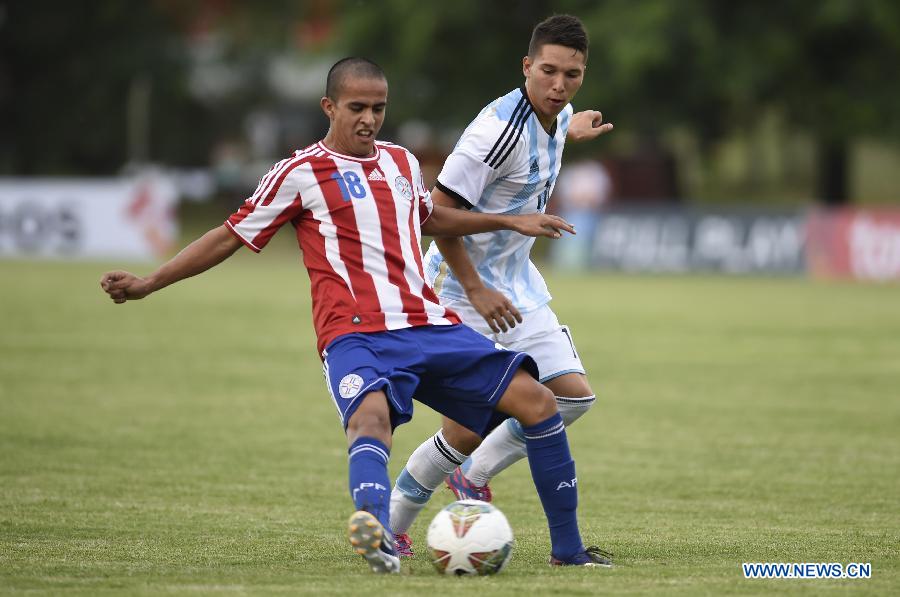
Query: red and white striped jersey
(358, 222)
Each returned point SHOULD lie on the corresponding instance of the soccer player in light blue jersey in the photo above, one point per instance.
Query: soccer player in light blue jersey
(506, 162)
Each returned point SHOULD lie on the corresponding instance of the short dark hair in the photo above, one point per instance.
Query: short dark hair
(351, 66)
(562, 30)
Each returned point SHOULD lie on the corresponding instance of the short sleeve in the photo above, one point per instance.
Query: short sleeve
(479, 158)
(422, 195)
(275, 202)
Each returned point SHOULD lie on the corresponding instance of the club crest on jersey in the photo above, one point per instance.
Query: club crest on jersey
(403, 186)
(350, 385)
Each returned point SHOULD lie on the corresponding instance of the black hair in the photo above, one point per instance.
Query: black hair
(561, 30)
(351, 66)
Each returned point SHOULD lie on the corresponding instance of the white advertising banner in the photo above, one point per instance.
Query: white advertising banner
(675, 240)
(87, 218)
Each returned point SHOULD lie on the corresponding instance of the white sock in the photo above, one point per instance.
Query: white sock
(425, 470)
(571, 409)
(505, 445)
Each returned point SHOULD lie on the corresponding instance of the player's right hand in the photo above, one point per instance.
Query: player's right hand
(124, 286)
(497, 310)
(542, 225)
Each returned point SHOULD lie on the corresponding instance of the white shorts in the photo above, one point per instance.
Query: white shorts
(540, 335)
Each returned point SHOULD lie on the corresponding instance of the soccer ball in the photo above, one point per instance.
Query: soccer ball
(470, 537)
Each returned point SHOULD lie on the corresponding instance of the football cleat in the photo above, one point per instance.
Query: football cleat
(463, 489)
(404, 545)
(592, 556)
(369, 539)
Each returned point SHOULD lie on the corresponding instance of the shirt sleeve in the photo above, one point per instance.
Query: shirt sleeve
(276, 201)
(426, 206)
(478, 159)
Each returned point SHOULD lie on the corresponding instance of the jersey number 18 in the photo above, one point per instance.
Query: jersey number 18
(350, 185)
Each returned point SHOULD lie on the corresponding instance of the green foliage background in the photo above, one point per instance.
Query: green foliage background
(706, 69)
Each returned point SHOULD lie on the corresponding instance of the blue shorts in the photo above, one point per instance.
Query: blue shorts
(453, 369)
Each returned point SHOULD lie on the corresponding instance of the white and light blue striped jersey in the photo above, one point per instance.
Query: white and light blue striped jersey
(504, 163)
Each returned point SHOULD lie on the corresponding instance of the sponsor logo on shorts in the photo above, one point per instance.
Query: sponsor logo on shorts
(350, 385)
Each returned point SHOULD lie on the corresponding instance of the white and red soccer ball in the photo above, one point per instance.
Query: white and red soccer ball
(470, 537)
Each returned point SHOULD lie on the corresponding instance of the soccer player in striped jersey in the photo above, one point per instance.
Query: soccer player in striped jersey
(359, 207)
(506, 162)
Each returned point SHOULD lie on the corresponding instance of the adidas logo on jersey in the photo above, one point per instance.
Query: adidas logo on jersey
(376, 175)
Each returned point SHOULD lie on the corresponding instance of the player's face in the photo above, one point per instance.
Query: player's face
(552, 78)
(356, 115)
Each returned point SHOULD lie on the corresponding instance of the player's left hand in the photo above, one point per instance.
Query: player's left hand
(542, 225)
(586, 125)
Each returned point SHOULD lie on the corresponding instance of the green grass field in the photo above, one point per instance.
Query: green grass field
(186, 444)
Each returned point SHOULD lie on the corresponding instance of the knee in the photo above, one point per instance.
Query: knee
(527, 401)
(572, 409)
(545, 400)
(538, 406)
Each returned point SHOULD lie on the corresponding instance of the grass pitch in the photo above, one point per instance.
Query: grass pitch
(186, 444)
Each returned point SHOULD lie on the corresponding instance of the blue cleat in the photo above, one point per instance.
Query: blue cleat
(463, 489)
(592, 556)
(370, 540)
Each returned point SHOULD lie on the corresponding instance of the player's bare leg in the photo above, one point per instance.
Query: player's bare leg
(369, 436)
(570, 384)
(371, 419)
(462, 439)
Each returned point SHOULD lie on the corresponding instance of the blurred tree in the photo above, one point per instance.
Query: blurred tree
(87, 85)
(829, 66)
(843, 81)
(78, 79)
(69, 72)
(444, 60)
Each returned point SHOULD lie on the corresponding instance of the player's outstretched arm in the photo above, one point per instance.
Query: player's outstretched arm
(209, 250)
(446, 221)
(496, 309)
(587, 125)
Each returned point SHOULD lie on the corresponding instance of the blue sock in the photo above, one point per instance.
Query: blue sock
(370, 487)
(553, 471)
